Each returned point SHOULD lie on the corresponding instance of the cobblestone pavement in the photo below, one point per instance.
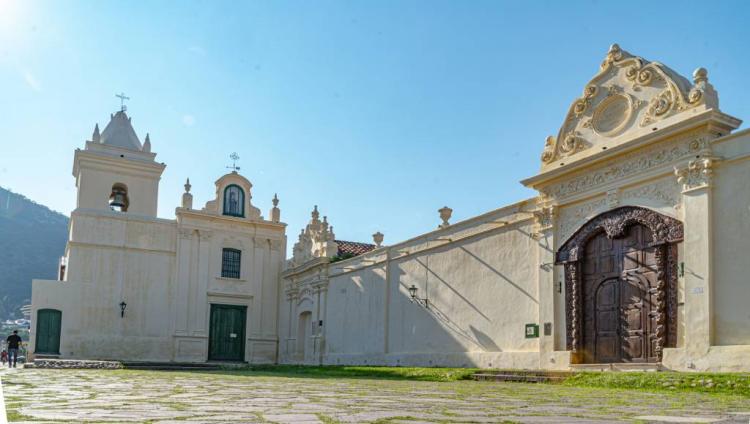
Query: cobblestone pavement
(229, 397)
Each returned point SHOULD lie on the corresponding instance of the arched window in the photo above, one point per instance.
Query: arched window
(234, 201)
(118, 198)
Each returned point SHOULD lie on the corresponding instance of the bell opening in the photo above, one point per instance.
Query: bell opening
(118, 199)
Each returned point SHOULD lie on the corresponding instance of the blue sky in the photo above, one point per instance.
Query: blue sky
(378, 112)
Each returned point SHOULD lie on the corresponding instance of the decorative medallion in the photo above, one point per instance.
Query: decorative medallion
(612, 114)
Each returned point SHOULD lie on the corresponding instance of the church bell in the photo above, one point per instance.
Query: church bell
(118, 201)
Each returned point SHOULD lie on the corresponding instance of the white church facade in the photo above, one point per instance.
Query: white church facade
(137, 287)
(631, 254)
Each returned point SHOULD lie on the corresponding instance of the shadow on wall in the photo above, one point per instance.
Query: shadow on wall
(500, 274)
(484, 340)
(456, 292)
(471, 333)
(454, 327)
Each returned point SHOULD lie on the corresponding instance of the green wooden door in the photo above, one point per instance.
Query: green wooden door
(48, 331)
(226, 340)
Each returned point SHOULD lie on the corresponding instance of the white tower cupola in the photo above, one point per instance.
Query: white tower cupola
(116, 172)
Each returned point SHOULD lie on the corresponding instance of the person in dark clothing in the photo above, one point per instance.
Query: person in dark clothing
(14, 343)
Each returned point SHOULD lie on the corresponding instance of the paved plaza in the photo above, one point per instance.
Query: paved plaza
(234, 397)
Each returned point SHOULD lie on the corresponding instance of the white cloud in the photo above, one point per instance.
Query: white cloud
(31, 81)
(188, 120)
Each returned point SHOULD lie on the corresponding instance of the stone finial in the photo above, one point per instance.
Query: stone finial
(315, 214)
(187, 198)
(378, 238)
(275, 211)
(96, 137)
(147, 144)
(614, 54)
(700, 75)
(702, 90)
(445, 215)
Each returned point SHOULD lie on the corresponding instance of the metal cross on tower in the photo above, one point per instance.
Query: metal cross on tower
(122, 97)
(235, 157)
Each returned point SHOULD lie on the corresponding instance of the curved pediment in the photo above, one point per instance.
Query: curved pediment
(628, 97)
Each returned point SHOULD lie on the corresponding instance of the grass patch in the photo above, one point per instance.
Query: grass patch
(336, 371)
(718, 383)
(14, 415)
(325, 419)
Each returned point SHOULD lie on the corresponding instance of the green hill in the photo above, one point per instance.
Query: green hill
(32, 239)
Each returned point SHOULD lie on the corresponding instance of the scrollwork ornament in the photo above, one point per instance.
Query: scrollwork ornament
(658, 107)
(548, 155)
(671, 270)
(572, 143)
(582, 104)
(697, 174)
(659, 297)
(695, 95)
(614, 55)
(572, 295)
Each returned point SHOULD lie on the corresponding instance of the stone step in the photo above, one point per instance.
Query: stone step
(171, 366)
(619, 367)
(524, 376)
(72, 364)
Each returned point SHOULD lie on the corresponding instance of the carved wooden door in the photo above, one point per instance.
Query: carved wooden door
(620, 286)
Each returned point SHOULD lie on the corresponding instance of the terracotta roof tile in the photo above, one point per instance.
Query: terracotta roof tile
(353, 248)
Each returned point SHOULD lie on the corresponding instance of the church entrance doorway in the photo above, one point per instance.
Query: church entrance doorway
(48, 323)
(304, 334)
(621, 286)
(226, 340)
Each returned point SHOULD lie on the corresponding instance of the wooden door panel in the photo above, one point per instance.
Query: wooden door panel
(607, 321)
(620, 280)
(48, 331)
(227, 333)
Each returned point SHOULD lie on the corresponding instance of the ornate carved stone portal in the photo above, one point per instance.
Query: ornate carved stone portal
(621, 286)
(627, 95)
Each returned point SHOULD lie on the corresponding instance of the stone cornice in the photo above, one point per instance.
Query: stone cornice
(127, 165)
(128, 216)
(120, 247)
(208, 216)
(305, 267)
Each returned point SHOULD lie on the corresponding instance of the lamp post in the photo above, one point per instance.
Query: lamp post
(123, 305)
(413, 293)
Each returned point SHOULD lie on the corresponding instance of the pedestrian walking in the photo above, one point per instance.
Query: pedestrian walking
(14, 343)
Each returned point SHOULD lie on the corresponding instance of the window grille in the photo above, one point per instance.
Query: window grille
(230, 263)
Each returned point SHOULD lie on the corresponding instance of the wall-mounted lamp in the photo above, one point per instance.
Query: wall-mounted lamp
(413, 293)
(123, 305)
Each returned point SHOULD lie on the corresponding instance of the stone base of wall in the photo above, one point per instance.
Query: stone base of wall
(505, 360)
(73, 364)
(717, 359)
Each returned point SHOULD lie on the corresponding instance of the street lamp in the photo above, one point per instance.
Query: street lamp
(413, 293)
(123, 305)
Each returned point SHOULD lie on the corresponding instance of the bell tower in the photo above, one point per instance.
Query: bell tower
(116, 172)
